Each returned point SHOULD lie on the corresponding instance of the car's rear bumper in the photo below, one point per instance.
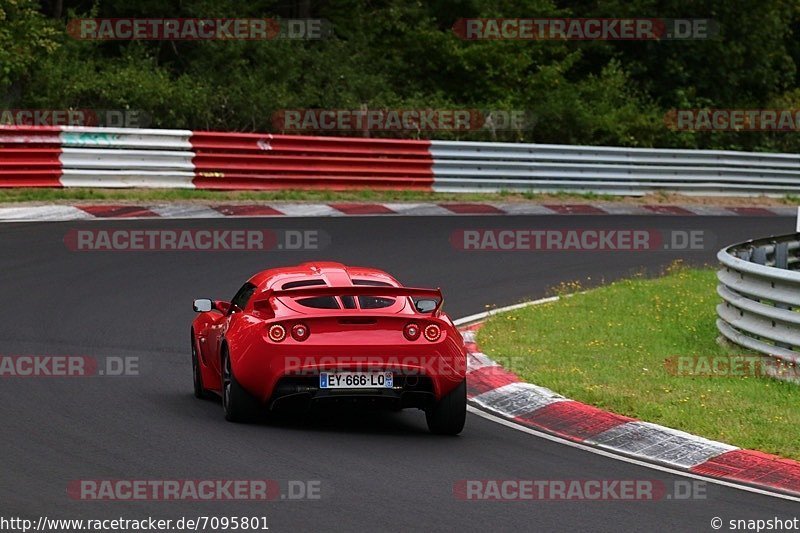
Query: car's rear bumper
(303, 392)
(272, 374)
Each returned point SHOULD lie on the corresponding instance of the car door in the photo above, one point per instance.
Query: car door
(238, 303)
(208, 331)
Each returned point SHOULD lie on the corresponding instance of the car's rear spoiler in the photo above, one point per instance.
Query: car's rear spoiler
(263, 300)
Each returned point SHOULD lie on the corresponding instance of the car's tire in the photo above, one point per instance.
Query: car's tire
(238, 404)
(199, 389)
(448, 415)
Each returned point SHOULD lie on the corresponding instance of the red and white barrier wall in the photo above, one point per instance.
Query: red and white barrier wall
(109, 157)
(30, 157)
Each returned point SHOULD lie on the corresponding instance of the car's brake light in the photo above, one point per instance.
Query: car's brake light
(300, 332)
(277, 333)
(411, 331)
(432, 332)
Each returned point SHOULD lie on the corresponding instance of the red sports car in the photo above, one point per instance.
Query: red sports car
(325, 333)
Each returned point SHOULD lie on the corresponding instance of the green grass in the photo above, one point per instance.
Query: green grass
(363, 195)
(46, 195)
(528, 195)
(607, 347)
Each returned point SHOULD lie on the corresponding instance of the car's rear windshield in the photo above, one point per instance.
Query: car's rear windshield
(348, 302)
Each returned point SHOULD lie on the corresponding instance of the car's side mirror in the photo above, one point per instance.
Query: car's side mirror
(202, 305)
(426, 305)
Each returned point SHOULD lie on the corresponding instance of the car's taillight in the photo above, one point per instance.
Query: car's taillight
(432, 332)
(411, 331)
(300, 332)
(277, 333)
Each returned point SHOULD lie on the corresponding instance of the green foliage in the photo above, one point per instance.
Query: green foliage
(404, 54)
(25, 37)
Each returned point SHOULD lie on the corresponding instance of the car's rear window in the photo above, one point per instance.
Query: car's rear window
(330, 302)
(348, 302)
(371, 282)
(374, 302)
(319, 302)
(302, 283)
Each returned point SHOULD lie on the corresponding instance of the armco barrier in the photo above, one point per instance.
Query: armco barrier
(253, 161)
(94, 157)
(759, 284)
(472, 166)
(113, 157)
(29, 157)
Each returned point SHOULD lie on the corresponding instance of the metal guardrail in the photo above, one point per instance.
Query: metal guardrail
(117, 157)
(759, 283)
(476, 166)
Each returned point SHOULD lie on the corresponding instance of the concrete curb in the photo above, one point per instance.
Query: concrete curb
(41, 213)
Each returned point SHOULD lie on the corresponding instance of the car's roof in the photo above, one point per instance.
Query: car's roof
(331, 273)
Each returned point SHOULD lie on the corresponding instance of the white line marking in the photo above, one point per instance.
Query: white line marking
(524, 209)
(660, 443)
(471, 319)
(307, 210)
(185, 211)
(478, 360)
(518, 398)
(419, 209)
(625, 209)
(709, 211)
(42, 213)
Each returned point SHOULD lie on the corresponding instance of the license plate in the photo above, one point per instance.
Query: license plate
(356, 380)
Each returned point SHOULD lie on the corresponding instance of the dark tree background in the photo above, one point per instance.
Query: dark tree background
(404, 54)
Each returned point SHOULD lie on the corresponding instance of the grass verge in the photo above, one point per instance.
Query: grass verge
(97, 195)
(608, 347)
(17, 195)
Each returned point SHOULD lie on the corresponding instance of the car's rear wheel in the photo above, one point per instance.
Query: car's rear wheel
(199, 389)
(239, 405)
(448, 415)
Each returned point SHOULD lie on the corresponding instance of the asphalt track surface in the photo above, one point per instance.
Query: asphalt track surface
(378, 471)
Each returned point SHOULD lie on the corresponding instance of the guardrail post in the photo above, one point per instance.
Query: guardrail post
(759, 255)
(782, 255)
